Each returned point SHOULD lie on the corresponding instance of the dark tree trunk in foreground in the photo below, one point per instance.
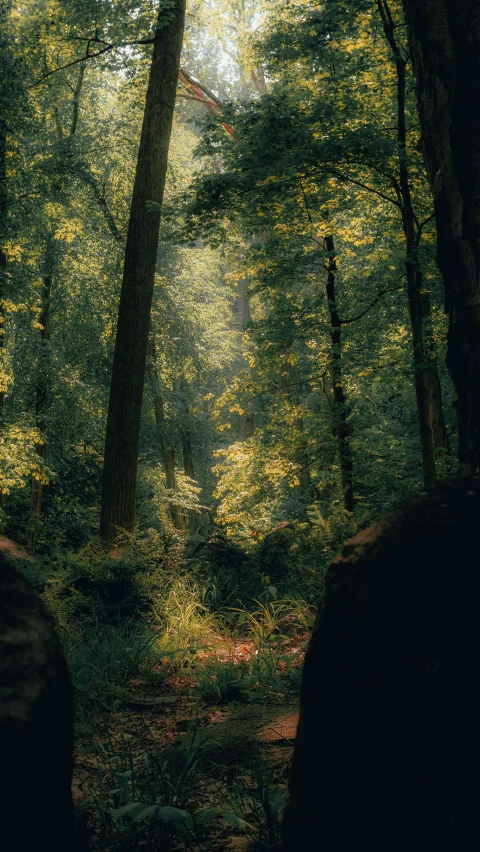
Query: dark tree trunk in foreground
(388, 746)
(36, 721)
(341, 429)
(128, 375)
(433, 436)
(444, 38)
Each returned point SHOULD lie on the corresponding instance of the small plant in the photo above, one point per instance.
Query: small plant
(143, 801)
(221, 681)
(268, 627)
(265, 622)
(256, 805)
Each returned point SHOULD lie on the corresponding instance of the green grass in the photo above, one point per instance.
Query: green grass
(103, 657)
(185, 623)
(220, 681)
(144, 802)
(257, 803)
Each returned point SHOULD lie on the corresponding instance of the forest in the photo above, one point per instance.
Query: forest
(239, 323)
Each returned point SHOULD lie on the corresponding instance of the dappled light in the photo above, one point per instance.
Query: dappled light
(239, 324)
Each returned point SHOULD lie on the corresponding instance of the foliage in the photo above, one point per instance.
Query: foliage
(220, 681)
(241, 490)
(102, 658)
(257, 804)
(146, 803)
(185, 623)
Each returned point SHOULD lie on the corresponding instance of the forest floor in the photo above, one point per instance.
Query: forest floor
(194, 757)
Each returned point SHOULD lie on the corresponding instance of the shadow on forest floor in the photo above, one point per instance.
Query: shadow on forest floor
(194, 758)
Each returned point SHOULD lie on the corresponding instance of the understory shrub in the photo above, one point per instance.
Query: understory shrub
(101, 657)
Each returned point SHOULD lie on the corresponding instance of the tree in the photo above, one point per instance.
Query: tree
(444, 40)
(335, 41)
(128, 374)
(433, 437)
(341, 427)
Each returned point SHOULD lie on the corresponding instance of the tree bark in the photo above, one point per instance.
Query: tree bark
(41, 393)
(243, 303)
(189, 470)
(3, 257)
(166, 448)
(433, 437)
(128, 375)
(291, 388)
(188, 467)
(444, 39)
(341, 428)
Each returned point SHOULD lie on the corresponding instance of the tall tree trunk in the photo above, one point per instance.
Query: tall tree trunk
(188, 467)
(444, 39)
(433, 437)
(189, 470)
(244, 317)
(3, 258)
(128, 375)
(291, 389)
(341, 428)
(187, 451)
(243, 303)
(168, 453)
(41, 394)
(166, 448)
(305, 478)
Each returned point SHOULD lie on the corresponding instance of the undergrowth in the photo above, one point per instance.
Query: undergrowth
(141, 624)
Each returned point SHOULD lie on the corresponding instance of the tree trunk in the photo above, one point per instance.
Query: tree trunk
(189, 470)
(171, 483)
(444, 39)
(243, 303)
(3, 258)
(187, 456)
(166, 449)
(41, 394)
(128, 375)
(291, 388)
(341, 428)
(433, 437)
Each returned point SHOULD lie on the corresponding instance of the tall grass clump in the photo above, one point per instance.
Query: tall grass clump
(184, 622)
(102, 657)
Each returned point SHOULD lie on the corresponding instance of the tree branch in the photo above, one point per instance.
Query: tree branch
(362, 186)
(289, 385)
(380, 294)
(191, 81)
(421, 226)
(89, 55)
